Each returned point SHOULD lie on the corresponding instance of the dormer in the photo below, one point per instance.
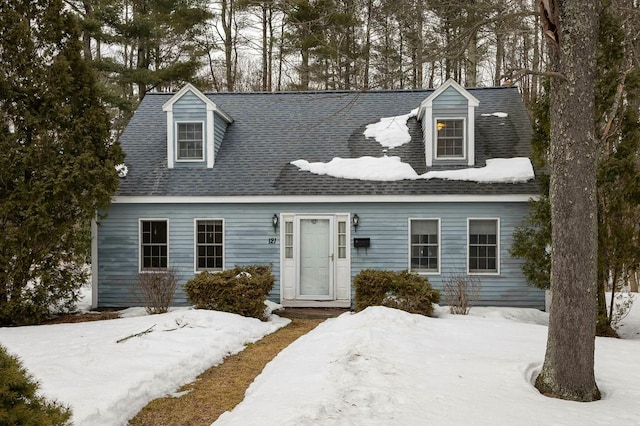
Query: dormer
(195, 128)
(448, 123)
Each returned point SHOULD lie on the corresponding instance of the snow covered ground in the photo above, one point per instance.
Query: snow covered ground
(377, 367)
(106, 382)
(387, 367)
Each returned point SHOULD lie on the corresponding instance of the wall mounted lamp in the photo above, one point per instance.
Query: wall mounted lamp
(355, 221)
(274, 222)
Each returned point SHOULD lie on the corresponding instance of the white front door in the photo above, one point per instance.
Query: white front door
(316, 257)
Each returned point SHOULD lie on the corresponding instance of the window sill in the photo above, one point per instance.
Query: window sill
(425, 272)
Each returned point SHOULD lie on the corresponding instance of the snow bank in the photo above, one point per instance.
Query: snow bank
(518, 169)
(391, 132)
(387, 367)
(513, 170)
(363, 168)
(107, 383)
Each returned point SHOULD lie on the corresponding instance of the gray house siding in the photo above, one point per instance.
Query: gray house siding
(219, 128)
(450, 98)
(249, 240)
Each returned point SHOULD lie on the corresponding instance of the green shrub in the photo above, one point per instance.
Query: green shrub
(400, 290)
(19, 402)
(239, 290)
(50, 289)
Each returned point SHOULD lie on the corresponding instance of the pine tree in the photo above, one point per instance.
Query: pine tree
(618, 171)
(58, 162)
(20, 403)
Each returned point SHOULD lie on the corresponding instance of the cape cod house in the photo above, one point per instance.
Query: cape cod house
(321, 185)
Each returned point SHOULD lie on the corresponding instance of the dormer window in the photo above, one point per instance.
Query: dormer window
(195, 128)
(448, 125)
(190, 141)
(450, 138)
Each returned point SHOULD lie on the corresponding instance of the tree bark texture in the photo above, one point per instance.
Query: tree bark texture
(568, 370)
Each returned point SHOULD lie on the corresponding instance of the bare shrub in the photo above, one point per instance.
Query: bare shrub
(460, 292)
(623, 302)
(157, 288)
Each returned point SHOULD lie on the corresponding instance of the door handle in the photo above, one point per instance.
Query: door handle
(331, 257)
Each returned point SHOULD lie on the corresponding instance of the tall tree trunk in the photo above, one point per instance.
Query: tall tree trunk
(227, 17)
(499, 56)
(535, 63)
(304, 70)
(86, 34)
(472, 61)
(633, 282)
(265, 52)
(367, 45)
(280, 55)
(568, 371)
(270, 50)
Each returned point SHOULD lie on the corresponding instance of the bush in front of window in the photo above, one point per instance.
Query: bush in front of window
(20, 403)
(241, 290)
(400, 290)
(156, 289)
(460, 292)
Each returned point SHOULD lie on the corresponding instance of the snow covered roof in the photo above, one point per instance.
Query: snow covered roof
(272, 130)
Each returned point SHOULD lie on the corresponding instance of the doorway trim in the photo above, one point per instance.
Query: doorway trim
(339, 268)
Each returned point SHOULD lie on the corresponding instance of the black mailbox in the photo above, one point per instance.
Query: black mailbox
(362, 242)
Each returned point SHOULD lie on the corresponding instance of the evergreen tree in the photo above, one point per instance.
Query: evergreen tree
(617, 91)
(58, 162)
(19, 402)
(617, 103)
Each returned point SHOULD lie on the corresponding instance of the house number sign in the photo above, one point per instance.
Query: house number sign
(272, 240)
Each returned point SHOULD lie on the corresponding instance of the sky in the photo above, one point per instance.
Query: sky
(377, 367)
(392, 132)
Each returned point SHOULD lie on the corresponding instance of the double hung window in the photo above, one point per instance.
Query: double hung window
(209, 245)
(483, 246)
(450, 138)
(154, 250)
(425, 245)
(190, 141)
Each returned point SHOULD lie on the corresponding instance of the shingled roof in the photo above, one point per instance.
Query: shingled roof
(272, 129)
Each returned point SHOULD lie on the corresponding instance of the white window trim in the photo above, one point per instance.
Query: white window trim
(140, 261)
(498, 246)
(465, 132)
(439, 271)
(195, 244)
(204, 144)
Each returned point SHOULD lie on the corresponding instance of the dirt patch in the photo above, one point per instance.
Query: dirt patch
(221, 388)
(88, 316)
